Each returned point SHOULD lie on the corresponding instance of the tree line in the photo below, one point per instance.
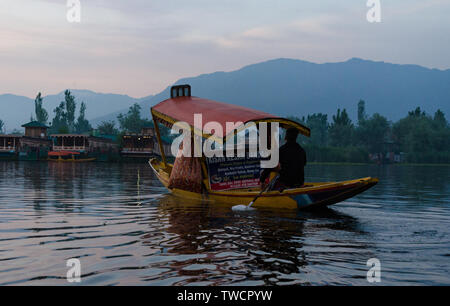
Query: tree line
(65, 121)
(131, 122)
(418, 137)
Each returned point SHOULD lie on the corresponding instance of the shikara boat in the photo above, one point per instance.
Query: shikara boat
(182, 107)
(68, 156)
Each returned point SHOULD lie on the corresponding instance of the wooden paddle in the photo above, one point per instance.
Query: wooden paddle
(270, 185)
(247, 207)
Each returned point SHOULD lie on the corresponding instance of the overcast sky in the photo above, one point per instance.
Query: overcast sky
(138, 47)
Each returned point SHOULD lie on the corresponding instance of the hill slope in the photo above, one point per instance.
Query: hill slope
(294, 87)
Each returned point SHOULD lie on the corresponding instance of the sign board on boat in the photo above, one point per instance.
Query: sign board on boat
(227, 173)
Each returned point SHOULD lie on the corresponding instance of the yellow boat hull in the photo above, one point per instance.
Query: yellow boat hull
(72, 160)
(311, 195)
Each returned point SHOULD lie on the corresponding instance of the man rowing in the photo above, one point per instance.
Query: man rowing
(291, 166)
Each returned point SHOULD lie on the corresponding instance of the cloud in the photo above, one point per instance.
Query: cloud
(139, 47)
(260, 33)
(299, 30)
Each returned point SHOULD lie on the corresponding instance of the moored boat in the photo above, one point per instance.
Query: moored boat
(239, 187)
(68, 156)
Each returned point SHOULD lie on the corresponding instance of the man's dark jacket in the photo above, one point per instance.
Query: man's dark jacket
(292, 162)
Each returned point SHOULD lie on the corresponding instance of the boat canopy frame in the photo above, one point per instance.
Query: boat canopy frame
(182, 107)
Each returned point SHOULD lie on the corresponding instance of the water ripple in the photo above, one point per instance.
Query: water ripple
(126, 233)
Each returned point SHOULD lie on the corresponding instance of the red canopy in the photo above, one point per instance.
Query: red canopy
(184, 108)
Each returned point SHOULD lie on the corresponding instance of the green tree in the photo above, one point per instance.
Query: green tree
(132, 121)
(108, 128)
(423, 138)
(70, 109)
(417, 113)
(440, 139)
(405, 131)
(2, 125)
(318, 124)
(59, 122)
(373, 132)
(341, 129)
(64, 119)
(41, 113)
(439, 120)
(82, 125)
(362, 116)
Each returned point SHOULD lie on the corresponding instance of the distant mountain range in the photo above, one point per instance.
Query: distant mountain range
(288, 87)
(283, 87)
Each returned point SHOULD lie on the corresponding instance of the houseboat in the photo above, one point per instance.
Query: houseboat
(89, 147)
(143, 146)
(9, 146)
(35, 144)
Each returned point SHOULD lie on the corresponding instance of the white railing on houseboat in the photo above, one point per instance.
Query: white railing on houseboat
(7, 149)
(137, 150)
(68, 148)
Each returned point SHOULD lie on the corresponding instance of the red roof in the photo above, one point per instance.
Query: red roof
(184, 108)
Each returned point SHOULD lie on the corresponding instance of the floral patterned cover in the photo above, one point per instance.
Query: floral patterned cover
(186, 173)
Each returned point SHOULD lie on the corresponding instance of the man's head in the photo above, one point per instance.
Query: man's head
(291, 135)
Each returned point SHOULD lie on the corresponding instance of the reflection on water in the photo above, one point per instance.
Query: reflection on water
(127, 230)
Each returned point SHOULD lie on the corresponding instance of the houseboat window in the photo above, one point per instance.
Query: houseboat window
(79, 141)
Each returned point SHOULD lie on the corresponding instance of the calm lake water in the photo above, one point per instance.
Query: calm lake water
(127, 230)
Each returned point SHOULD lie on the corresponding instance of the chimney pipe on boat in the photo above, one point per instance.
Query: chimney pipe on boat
(180, 91)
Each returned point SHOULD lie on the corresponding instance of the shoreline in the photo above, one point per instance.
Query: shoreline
(127, 160)
(373, 164)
